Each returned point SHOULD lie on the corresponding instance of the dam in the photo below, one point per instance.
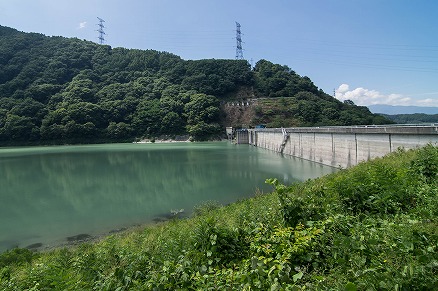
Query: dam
(339, 146)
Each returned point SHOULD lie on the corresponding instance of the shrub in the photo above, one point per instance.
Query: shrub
(425, 165)
(16, 256)
(218, 244)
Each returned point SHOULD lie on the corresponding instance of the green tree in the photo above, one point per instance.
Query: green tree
(119, 131)
(172, 123)
(202, 114)
(78, 90)
(147, 117)
(19, 128)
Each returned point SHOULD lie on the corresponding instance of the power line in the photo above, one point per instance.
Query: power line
(100, 30)
(239, 50)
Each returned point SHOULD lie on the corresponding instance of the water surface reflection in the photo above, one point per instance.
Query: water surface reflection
(51, 193)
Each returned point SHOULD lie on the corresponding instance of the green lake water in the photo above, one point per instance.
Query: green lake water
(48, 194)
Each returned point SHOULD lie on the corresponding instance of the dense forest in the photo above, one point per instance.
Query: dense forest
(63, 90)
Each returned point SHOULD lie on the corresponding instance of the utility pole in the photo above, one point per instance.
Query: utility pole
(239, 50)
(100, 30)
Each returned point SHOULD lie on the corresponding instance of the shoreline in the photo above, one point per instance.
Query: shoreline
(82, 238)
(166, 139)
(161, 141)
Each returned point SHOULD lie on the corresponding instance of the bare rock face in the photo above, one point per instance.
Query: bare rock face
(239, 113)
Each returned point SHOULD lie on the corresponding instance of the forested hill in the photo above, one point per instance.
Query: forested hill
(62, 90)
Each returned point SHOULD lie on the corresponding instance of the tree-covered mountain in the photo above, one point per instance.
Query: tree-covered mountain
(63, 90)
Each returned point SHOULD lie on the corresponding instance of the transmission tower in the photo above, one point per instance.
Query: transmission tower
(239, 50)
(100, 30)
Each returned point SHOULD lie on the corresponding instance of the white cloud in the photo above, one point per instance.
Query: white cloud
(343, 88)
(428, 102)
(364, 97)
(82, 25)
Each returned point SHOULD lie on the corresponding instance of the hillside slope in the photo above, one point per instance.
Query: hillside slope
(61, 90)
(303, 109)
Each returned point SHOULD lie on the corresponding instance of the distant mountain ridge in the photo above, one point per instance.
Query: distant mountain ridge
(392, 110)
(416, 118)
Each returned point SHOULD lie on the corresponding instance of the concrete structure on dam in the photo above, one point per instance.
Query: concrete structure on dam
(342, 146)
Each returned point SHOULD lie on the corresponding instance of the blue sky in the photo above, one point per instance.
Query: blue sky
(370, 51)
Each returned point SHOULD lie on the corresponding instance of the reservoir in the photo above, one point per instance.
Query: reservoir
(49, 194)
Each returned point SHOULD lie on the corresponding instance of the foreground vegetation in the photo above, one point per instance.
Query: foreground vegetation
(371, 227)
(56, 90)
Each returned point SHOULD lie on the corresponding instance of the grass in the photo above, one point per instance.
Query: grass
(371, 227)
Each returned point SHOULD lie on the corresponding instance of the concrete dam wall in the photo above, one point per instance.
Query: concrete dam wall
(339, 146)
